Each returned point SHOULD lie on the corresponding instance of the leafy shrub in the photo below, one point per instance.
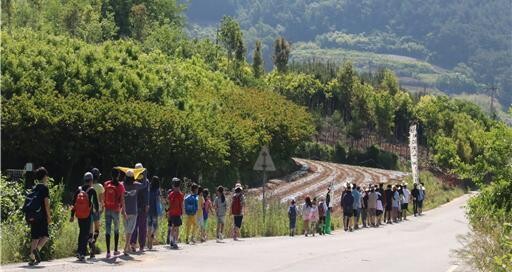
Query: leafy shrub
(488, 247)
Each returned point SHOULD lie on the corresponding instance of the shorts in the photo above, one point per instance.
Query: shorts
(379, 212)
(372, 212)
(129, 223)
(237, 219)
(405, 206)
(153, 222)
(200, 222)
(348, 213)
(39, 229)
(175, 221)
(190, 221)
(420, 204)
(221, 219)
(388, 207)
(96, 216)
(111, 216)
(356, 212)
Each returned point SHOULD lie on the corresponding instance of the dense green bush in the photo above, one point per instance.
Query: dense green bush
(488, 247)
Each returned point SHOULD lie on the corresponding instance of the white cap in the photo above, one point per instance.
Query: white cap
(138, 165)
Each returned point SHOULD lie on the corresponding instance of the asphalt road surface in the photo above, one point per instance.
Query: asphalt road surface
(420, 244)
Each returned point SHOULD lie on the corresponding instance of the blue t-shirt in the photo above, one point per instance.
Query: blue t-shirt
(357, 199)
(154, 197)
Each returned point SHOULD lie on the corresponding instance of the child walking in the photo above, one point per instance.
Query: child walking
(175, 212)
(85, 203)
(292, 216)
(191, 207)
(220, 206)
(207, 208)
(322, 211)
(306, 214)
(313, 217)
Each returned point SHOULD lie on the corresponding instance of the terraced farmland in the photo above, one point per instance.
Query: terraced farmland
(317, 176)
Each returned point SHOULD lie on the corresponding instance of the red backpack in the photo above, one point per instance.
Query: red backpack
(82, 205)
(236, 206)
(111, 197)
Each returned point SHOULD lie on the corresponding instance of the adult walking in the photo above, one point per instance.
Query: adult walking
(38, 215)
(130, 199)
(328, 202)
(114, 206)
(85, 204)
(96, 216)
(406, 198)
(155, 210)
(372, 207)
(347, 204)
(140, 230)
(415, 195)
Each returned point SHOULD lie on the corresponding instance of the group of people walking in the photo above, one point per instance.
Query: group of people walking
(130, 195)
(370, 206)
(373, 205)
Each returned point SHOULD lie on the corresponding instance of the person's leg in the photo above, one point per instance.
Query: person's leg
(188, 225)
(364, 217)
(193, 229)
(108, 229)
(83, 236)
(135, 234)
(115, 219)
(143, 228)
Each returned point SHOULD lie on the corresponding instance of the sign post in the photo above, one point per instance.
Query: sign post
(264, 163)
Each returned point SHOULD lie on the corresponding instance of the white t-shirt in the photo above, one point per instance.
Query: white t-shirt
(407, 194)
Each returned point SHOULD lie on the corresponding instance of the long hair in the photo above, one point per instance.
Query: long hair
(308, 201)
(220, 189)
(155, 183)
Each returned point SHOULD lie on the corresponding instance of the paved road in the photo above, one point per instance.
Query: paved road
(420, 244)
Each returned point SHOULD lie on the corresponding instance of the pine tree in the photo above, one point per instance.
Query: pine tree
(282, 51)
(257, 61)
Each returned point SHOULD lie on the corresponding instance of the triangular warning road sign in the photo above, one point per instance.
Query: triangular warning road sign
(264, 161)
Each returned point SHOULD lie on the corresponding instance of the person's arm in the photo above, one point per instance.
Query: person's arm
(102, 199)
(123, 206)
(73, 209)
(94, 200)
(48, 210)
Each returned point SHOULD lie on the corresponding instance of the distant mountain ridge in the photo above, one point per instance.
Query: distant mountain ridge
(472, 38)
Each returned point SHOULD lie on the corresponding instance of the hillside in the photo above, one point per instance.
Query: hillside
(471, 39)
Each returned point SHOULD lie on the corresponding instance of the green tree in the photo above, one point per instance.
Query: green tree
(281, 54)
(139, 21)
(257, 61)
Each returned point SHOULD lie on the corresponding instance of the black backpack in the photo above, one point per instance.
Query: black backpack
(33, 207)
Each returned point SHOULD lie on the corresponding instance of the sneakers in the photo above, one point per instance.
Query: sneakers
(117, 253)
(81, 258)
(37, 254)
